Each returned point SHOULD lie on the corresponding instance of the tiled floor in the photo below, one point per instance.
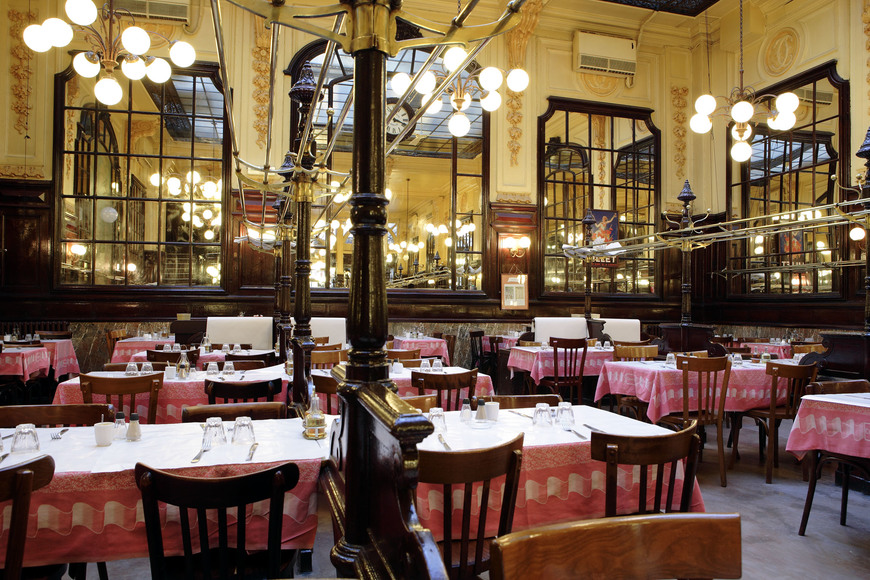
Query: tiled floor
(770, 518)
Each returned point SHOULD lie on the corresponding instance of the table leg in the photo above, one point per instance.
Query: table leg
(305, 561)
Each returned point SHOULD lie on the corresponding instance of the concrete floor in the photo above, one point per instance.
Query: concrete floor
(770, 517)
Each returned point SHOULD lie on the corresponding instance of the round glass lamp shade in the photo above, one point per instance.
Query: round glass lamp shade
(426, 84)
(700, 123)
(108, 91)
(787, 103)
(741, 151)
(741, 131)
(857, 234)
(174, 185)
(400, 83)
(435, 107)
(82, 12)
(109, 214)
(36, 39)
(785, 121)
(155, 179)
(58, 32)
(135, 40)
(85, 67)
(705, 104)
(466, 102)
(742, 111)
(491, 78)
(134, 69)
(459, 125)
(159, 71)
(182, 53)
(454, 57)
(491, 101)
(517, 80)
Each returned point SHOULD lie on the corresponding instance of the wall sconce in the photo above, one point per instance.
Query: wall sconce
(517, 247)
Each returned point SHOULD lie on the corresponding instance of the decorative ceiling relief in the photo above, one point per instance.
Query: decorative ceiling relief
(517, 39)
(20, 69)
(260, 82)
(678, 101)
(781, 51)
(600, 85)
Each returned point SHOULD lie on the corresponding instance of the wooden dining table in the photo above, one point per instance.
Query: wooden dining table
(127, 347)
(92, 510)
(836, 423)
(538, 361)
(206, 357)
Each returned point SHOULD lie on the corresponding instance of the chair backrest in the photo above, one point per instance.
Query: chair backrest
(837, 387)
(475, 338)
(437, 335)
(121, 391)
(518, 401)
(157, 366)
(662, 451)
(724, 339)
(422, 402)
(325, 359)
(528, 343)
(17, 484)
(403, 354)
(751, 339)
(235, 392)
(243, 365)
(54, 334)
(68, 415)
(741, 350)
(219, 494)
(113, 336)
(694, 353)
(797, 378)
(807, 348)
(641, 352)
(243, 345)
(656, 546)
(229, 411)
(334, 346)
(412, 362)
(328, 386)
(569, 358)
(172, 356)
(526, 337)
(631, 342)
(447, 387)
(708, 377)
(460, 470)
(269, 358)
(495, 343)
(321, 339)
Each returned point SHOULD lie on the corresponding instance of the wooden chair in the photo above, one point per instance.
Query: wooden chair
(569, 358)
(321, 340)
(819, 457)
(113, 336)
(741, 350)
(242, 365)
(55, 334)
(269, 358)
(325, 359)
(120, 390)
(664, 452)
(468, 555)
(243, 346)
(115, 367)
(326, 385)
(796, 377)
(216, 494)
(657, 546)
(67, 415)
(334, 346)
(450, 339)
(412, 362)
(807, 348)
(708, 378)
(173, 356)
(528, 343)
(229, 411)
(693, 353)
(749, 339)
(725, 339)
(517, 401)
(235, 392)
(403, 354)
(475, 338)
(437, 335)
(631, 342)
(422, 402)
(633, 353)
(448, 388)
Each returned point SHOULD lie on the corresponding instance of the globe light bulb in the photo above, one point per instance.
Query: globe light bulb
(388, 193)
(155, 179)
(400, 83)
(182, 54)
(109, 214)
(193, 176)
(173, 184)
(82, 12)
(135, 40)
(700, 123)
(857, 234)
(773, 122)
(159, 71)
(426, 84)
(491, 101)
(454, 57)
(435, 107)
(83, 65)
(459, 125)
(705, 104)
(36, 39)
(58, 32)
(785, 121)
(741, 131)
(209, 189)
(134, 69)
(209, 235)
(108, 91)
(787, 103)
(491, 78)
(741, 151)
(742, 111)
(517, 80)
(463, 106)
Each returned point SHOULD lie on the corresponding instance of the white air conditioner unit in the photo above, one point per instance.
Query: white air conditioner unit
(822, 97)
(174, 10)
(606, 55)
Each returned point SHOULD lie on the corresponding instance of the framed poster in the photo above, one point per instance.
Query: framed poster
(791, 242)
(605, 231)
(514, 292)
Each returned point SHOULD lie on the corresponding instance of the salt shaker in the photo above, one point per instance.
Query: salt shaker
(120, 430)
(465, 413)
(134, 431)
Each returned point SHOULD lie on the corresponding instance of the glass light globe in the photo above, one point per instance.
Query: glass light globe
(773, 122)
(159, 71)
(705, 104)
(209, 235)
(57, 31)
(81, 12)
(787, 102)
(193, 177)
(135, 40)
(466, 102)
(426, 84)
(185, 217)
(207, 214)
(491, 78)
(517, 80)
(742, 111)
(173, 184)
(209, 188)
(155, 179)
(785, 121)
(388, 193)
(36, 39)
(134, 69)
(741, 131)
(435, 107)
(856, 234)
(400, 83)
(182, 53)
(442, 229)
(108, 91)
(491, 101)
(84, 66)
(454, 57)
(741, 151)
(109, 214)
(700, 123)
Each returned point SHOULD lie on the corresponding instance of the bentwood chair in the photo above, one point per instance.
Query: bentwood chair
(475, 338)
(321, 339)
(662, 452)
(807, 348)
(467, 555)
(632, 342)
(238, 392)
(116, 367)
(333, 346)
(569, 358)
(424, 402)
(67, 415)
(450, 339)
(325, 359)
(795, 379)
(448, 387)
(328, 386)
(55, 334)
(212, 501)
(819, 457)
(649, 546)
(517, 401)
(122, 392)
(230, 411)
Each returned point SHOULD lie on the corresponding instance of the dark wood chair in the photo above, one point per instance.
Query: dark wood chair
(796, 378)
(115, 367)
(569, 359)
(518, 401)
(819, 457)
(422, 402)
(403, 354)
(229, 411)
(122, 392)
(69, 415)
(243, 345)
(269, 358)
(55, 334)
(448, 387)
(468, 555)
(633, 352)
(650, 546)
(741, 350)
(173, 356)
(236, 392)
(450, 339)
(325, 359)
(113, 336)
(664, 452)
(242, 365)
(475, 338)
(217, 494)
(326, 385)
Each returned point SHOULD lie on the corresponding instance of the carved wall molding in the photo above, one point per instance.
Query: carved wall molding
(260, 82)
(865, 17)
(142, 128)
(513, 197)
(599, 136)
(600, 85)
(22, 172)
(72, 95)
(517, 40)
(20, 69)
(678, 101)
(781, 51)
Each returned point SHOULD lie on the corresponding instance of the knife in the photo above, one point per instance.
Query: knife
(580, 435)
(4, 456)
(593, 429)
(444, 442)
(520, 414)
(251, 451)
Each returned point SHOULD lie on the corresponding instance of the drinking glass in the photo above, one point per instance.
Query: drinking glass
(225, 348)
(398, 367)
(671, 360)
(237, 348)
(25, 439)
(797, 358)
(229, 368)
(436, 416)
(167, 347)
(243, 431)
(36, 336)
(606, 344)
(211, 369)
(28, 337)
(147, 368)
(424, 365)
(542, 417)
(565, 415)
(176, 347)
(437, 365)
(214, 433)
(132, 369)
(737, 359)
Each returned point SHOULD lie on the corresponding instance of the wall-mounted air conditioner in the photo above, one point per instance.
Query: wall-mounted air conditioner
(606, 55)
(174, 10)
(822, 97)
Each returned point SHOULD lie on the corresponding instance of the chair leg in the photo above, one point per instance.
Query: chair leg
(736, 423)
(101, 571)
(721, 444)
(815, 468)
(847, 475)
(771, 450)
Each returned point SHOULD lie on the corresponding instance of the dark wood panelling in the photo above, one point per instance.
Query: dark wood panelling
(25, 236)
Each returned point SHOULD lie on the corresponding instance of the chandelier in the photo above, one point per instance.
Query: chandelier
(742, 104)
(110, 43)
(192, 181)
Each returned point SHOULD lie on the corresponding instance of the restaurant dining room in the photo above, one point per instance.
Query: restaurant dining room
(436, 289)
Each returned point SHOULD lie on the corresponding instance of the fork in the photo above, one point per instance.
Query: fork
(206, 446)
(59, 434)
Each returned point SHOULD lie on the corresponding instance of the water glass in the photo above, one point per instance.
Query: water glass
(606, 344)
(398, 367)
(147, 368)
(229, 368)
(565, 415)
(176, 347)
(424, 365)
(237, 348)
(132, 370)
(797, 358)
(436, 417)
(167, 347)
(671, 360)
(225, 348)
(212, 369)
(36, 336)
(437, 365)
(542, 417)
(28, 337)
(737, 359)
(214, 433)
(243, 431)
(25, 439)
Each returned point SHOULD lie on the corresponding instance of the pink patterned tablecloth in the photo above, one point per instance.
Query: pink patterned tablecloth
(782, 351)
(538, 362)
(124, 349)
(62, 355)
(559, 480)
(23, 362)
(834, 423)
(428, 346)
(204, 357)
(506, 342)
(662, 387)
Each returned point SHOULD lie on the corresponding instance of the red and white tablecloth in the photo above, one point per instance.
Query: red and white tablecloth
(204, 357)
(92, 510)
(24, 362)
(834, 423)
(662, 387)
(506, 342)
(559, 480)
(781, 350)
(62, 355)
(538, 361)
(428, 346)
(126, 348)
(175, 394)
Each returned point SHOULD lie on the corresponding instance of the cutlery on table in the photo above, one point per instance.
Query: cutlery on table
(4, 456)
(444, 442)
(59, 434)
(251, 451)
(580, 435)
(8, 436)
(520, 414)
(198, 456)
(593, 429)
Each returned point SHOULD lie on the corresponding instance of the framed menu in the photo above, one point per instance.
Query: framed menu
(514, 292)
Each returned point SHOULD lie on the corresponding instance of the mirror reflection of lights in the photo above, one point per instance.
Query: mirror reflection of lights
(856, 234)
(78, 249)
(517, 247)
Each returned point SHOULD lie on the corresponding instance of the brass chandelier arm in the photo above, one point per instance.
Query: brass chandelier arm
(787, 268)
(295, 17)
